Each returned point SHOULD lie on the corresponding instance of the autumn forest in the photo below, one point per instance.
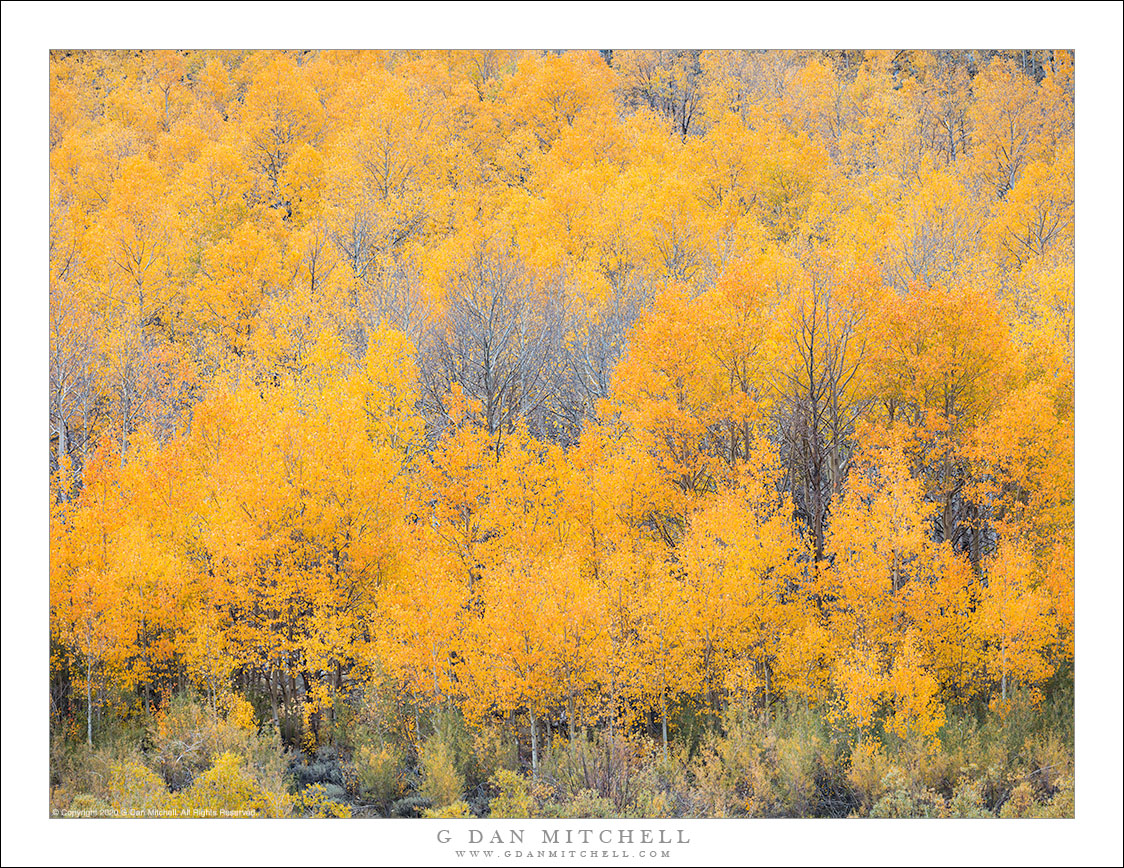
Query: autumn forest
(562, 434)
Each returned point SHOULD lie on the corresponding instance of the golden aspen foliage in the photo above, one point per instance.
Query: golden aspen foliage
(1014, 621)
(881, 562)
(740, 558)
(692, 429)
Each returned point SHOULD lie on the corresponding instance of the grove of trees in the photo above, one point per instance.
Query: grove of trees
(458, 420)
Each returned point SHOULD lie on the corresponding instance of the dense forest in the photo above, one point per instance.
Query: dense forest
(611, 433)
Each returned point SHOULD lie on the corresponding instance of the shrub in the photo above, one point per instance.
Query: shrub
(603, 764)
(788, 769)
(492, 748)
(137, 790)
(323, 768)
(659, 788)
(410, 806)
(441, 783)
(967, 803)
(226, 789)
(378, 772)
(792, 792)
(320, 800)
(711, 795)
(455, 811)
(88, 806)
(514, 798)
(585, 805)
(1020, 803)
(1060, 807)
(1045, 761)
(899, 801)
(79, 773)
(186, 737)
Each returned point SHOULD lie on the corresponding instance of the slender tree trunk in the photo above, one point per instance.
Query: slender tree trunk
(974, 551)
(62, 449)
(767, 697)
(89, 703)
(570, 716)
(288, 685)
(534, 744)
(337, 683)
(663, 703)
(271, 684)
(1003, 683)
(663, 709)
(124, 426)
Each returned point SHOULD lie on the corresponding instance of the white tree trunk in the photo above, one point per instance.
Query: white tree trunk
(534, 745)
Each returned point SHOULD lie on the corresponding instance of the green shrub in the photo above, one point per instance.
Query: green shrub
(711, 794)
(379, 773)
(1045, 761)
(789, 768)
(967, 803)
(229, 789)
(322, 800)
(323, 768)
(410, 806)
(137, 790)
(1060, 807)
(187, 736)
(900, 801)
(1020, 803)
(441, 783)
(659, 788)
(79, 772)
(455, 811)
(86, 806)
(1011, 761)
(604, 764)
(868, 775)
(585, 805)
(514, 797)
(492, 748)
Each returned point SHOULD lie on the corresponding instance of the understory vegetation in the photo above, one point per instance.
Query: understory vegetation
(203, 759)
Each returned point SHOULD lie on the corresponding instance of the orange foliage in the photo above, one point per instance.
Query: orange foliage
(794, 330)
